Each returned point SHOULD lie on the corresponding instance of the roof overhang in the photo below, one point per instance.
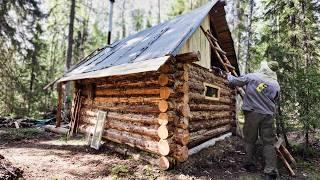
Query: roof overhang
(123, 69)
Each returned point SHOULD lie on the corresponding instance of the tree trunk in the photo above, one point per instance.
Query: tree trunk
(70, 44)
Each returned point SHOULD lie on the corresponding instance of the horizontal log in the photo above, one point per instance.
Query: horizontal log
(181, 136)
(205, 75)
(136, 77)
(200, 98)
(211, 107)
(210, 115)
(122, 137)
(211, 124)
(180, 153)
(188, 57)
(196, 139)
(127, 92)
(150, 131)
(137, 155)
(122, 107)
(129, 100)
(182, 122)
(197, 85)
(129, 117)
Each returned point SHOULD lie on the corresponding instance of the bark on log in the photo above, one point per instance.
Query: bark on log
(150, 131)
(134, 153)
(127, 92)
(200, 98)
(188, 57)
(196, 138)
(134, 141)
(198, 125)
(122, 107)
(180, 153)
(128, 117)
(182, 122)
(181, 136)
(129, 100)
(207, 115)
(203, 74)
(209, 107)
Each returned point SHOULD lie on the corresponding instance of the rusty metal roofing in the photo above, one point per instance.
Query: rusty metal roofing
(144, 51)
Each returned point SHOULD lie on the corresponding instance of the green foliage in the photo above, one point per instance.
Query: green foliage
(289, 36)
(119, 170)
(137, 19)
(177, 7)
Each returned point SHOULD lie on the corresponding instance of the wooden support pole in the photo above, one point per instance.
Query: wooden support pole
(60, 101)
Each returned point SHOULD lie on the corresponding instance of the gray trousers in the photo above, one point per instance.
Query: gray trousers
(262, 125)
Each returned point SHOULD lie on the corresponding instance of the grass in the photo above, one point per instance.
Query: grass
(120, 170)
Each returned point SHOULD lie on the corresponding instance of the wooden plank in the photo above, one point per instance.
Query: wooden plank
(98, 130)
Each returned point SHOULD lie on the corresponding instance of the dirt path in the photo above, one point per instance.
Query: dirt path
(48, 156)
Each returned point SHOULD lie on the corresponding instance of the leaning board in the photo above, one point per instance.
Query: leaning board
(98, 130)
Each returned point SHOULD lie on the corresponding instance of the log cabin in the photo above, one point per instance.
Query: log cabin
(158, 87)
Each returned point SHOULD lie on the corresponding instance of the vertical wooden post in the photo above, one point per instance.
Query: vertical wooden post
(60, 101)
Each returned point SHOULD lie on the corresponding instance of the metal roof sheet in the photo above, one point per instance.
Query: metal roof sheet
(148, 45)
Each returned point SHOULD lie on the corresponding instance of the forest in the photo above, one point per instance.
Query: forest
(41, 40)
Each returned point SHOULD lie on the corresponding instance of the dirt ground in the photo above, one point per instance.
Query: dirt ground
(44, 155)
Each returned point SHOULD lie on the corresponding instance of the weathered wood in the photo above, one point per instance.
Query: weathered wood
(150, 131)
(188, 57)
(200, 98)
(181, 136)
(196, 138)
(211, 107)
(180, 153)
(182, 122)
(129, 100)
(123, 107)
(210, 115)
(210, 124)
(127, 92)
(128, 117)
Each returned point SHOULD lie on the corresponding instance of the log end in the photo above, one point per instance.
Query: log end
(163, 132)
(163, 106)
(163, 147)
(164, 163)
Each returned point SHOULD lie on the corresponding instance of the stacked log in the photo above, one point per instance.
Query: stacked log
(209, 118)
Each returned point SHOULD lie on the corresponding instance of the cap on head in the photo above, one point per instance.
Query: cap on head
(273, 65)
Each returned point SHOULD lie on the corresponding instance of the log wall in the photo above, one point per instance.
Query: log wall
(209, 118)
(148, 110)
(162, 112)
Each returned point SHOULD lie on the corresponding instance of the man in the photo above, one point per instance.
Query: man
(259, 107)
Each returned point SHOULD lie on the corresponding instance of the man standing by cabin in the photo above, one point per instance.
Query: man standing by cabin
(259, 108)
